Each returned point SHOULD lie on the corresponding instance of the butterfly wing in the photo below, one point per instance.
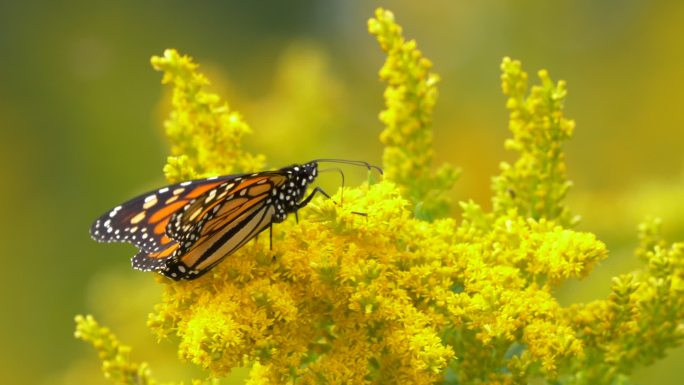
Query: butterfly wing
(219, 222)
(142, 221)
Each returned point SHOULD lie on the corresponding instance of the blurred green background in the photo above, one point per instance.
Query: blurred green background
(81, 113)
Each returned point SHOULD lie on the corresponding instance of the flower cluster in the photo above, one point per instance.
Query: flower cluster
(205, 134)
(389, 297)
(642, 317)
(116, 363)
(410, 98)
(536, 184)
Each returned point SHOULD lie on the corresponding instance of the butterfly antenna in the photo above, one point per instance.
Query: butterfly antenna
(351, 162)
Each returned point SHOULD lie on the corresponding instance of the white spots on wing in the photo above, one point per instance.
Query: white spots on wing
(211, 196)
(172, 199)
(262, 181)
(185, 184)
(212, 177)
(163, 190)
(181, 268)
(150, 201)
(243, 192)
(178, 191)
(133, 230)
(303, 182)
(114, 211)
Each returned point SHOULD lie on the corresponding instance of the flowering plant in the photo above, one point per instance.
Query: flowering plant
(405, 294)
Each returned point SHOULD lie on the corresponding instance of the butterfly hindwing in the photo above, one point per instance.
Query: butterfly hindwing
(218, 243)
(214, 230)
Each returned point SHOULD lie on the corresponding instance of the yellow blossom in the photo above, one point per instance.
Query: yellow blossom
(205, 133)
(536, 183)
(410, 98)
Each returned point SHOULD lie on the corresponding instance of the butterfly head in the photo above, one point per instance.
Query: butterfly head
(287, 197)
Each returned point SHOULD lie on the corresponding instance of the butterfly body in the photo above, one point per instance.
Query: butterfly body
(185, 229)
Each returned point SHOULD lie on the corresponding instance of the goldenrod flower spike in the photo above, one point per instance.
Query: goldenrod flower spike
(643, 316)
(410, 98)
(205, 134)
(536, 183)
(116, 363)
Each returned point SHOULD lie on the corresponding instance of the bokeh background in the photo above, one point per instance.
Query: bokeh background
(81, 116)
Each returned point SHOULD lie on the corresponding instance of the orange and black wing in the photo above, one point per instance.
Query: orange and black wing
(219, 222)
(143, 220)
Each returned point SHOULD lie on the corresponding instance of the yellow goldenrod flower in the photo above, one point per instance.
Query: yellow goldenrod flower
(205, 134)
(536, 184)
(116, 363)
(410, 98)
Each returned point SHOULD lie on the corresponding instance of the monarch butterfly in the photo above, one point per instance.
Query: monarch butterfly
(185, 229)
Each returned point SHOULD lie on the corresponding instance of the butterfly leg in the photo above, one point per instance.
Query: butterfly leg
(320, 190)
(310, 197)
(270, 237)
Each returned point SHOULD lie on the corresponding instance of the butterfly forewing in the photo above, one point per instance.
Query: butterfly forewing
(142, 220)
(217, 205)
